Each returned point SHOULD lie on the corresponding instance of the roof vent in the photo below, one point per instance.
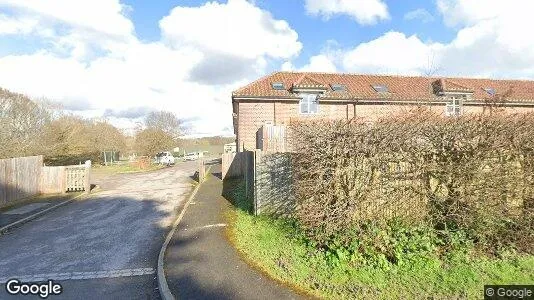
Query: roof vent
(380, 88)
(490, 91)
(339, 87)
(278, 86)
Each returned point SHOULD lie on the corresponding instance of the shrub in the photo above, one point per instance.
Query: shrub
(473, 174)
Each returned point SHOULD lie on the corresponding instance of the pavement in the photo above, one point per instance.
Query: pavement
(200, 263)
(104, 246)
(19, 211)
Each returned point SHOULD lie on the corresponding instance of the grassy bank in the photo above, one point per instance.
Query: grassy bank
(419, 270)
(124, 168)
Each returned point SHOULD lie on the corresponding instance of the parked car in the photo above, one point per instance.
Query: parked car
(165, 158)
(191, 156)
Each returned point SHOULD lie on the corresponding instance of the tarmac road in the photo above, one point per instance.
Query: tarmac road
(103, 247)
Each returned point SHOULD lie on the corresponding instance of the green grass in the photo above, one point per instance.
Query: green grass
(281, 250)
(124, 168)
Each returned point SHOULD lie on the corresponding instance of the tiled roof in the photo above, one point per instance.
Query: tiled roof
(307, 81)
(447, 85)
(399, 87)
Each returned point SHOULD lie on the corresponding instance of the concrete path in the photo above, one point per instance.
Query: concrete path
(103, 247)
(201, 264)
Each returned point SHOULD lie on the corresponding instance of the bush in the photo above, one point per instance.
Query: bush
(473, 174)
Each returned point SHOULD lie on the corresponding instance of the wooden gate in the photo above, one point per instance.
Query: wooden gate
(77, 178)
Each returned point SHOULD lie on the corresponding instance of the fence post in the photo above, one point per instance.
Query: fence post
(87, 183)
(201, 171)
(246, 175)
(256, 156)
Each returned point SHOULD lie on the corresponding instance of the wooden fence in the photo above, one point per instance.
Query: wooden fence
(267, 178)
(240, 165)
(272, 138)
(24, 177)
(233, 164)
(201, 171)
(53, 180)
(19, 178)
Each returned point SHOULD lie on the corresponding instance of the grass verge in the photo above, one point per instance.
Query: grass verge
(282, 251)
(124, 168)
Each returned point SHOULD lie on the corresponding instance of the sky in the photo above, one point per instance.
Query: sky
(121, 59)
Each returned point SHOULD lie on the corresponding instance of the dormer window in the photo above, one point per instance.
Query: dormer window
(380, 88)
(278, 86)
(309, 104)
(453, 108)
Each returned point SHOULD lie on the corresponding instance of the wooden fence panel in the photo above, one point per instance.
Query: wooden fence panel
(53, 180)
(229, 165)
(19, 178)
(235, 164)
(273, 138)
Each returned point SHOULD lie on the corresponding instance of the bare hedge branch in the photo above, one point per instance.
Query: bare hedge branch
(474, 173)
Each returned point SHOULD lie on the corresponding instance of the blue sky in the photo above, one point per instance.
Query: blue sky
(120, 59)
(314, 32)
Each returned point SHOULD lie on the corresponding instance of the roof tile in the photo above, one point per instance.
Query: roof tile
(399, 87)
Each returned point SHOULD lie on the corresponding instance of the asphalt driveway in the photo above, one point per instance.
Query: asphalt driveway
(103, 247)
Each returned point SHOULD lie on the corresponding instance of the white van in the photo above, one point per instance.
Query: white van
(165, 158)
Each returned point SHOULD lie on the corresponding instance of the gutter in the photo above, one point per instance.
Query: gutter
(379, 101)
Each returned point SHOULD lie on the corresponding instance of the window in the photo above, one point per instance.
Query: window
(380, 88)
(490, 91)
(278, 86)
(339, 87)
(309, 104)
(454, 107)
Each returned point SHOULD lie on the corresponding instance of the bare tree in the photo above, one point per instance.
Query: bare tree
(21, 123)
(431, 68)
(70, 139)
(152, 140)
(496, 101)
(165, 121)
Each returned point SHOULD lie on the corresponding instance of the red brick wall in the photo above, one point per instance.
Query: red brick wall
(252, 115)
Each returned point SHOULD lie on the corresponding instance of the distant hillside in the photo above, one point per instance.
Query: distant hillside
(214, 145)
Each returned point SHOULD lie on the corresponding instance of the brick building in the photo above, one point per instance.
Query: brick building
(273, 101)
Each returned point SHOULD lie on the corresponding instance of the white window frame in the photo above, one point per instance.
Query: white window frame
(454, 108)
(309, 99)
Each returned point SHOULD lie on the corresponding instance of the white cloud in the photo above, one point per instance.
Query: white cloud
(95, 70)
(317, 63)
(237, 39)
(490, 42)
(237, 28)
(78, 28)
(378, 56)
(365, 12)
(9, 25)
(419, 14)
(320, 63)
(470, 12)
(103, 16)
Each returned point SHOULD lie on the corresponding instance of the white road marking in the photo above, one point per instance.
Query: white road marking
(81, 275)
(213, 225)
